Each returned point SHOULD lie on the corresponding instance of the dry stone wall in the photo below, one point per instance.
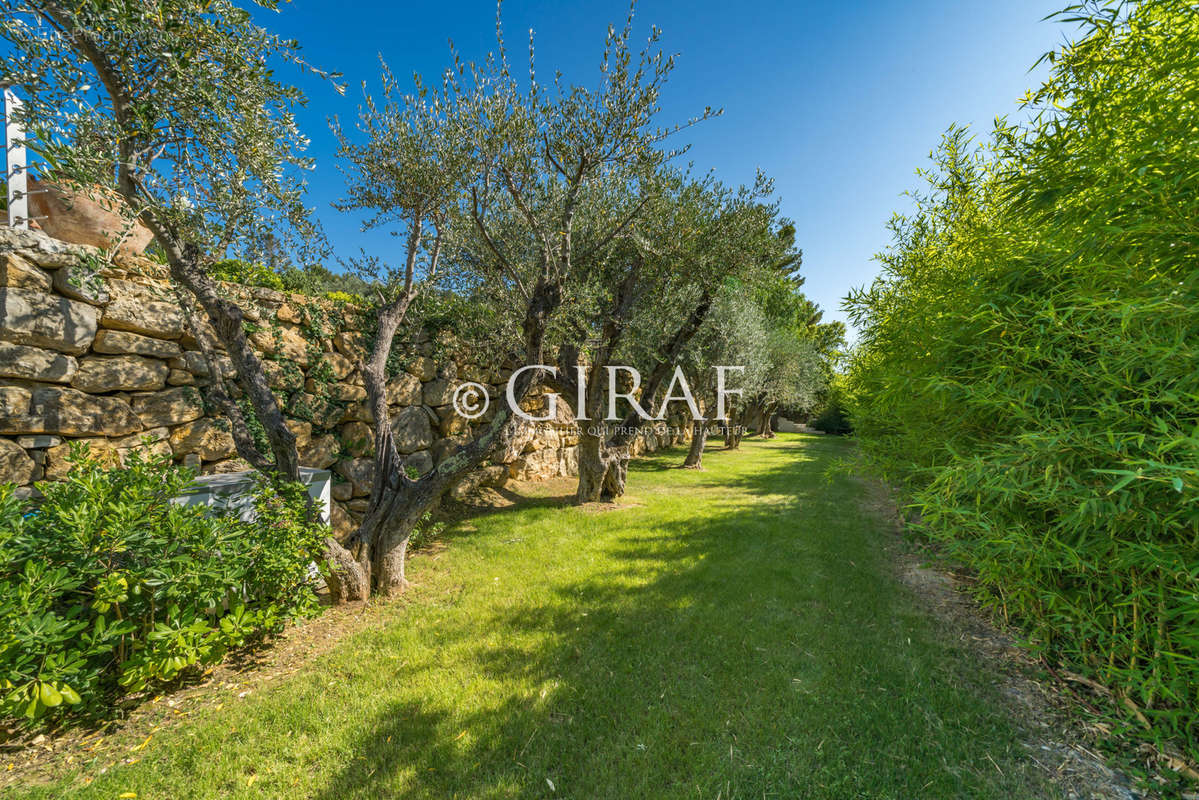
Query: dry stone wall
(103, 353)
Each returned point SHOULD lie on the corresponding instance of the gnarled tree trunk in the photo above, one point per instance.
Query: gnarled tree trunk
(603, 469)
(616, 478)
(183, 259)
(751, 418)
(388, 528)
(398, 502)
(226, 317)
(734, 429)
(604, 458)
(699, 437)
(347, 580)
(758, 414)
(767, 420)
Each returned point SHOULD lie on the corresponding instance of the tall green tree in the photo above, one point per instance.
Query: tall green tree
(734, 335)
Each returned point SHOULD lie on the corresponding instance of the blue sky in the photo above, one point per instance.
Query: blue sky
(838, 102)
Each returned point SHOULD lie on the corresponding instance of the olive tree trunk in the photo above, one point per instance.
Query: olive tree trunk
(734, 429)
(227, 320)
(699, 437)
(604, 458)
(768, 420)
(398, 502)
(603, 468)
(757, 416)
(183, 259)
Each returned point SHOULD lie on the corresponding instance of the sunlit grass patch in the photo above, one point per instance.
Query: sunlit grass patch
(740, 633)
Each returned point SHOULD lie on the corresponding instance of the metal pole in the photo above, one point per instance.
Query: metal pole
(14, 153)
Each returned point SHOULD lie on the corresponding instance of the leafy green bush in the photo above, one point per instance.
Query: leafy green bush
(235, 270)
(1027, 363)
(345, 297)
(109, 586)
(833, 414)
(317, 280)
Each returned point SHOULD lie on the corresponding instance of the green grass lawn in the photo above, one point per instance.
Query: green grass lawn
(736, 632)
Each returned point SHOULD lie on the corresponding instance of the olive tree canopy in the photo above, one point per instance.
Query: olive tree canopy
(175, 105)
(513, 187)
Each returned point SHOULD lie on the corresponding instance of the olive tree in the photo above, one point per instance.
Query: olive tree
(485, 178)
(643, 307)
(734, 335)
(174, 104)
(795, 377)
(801, 349)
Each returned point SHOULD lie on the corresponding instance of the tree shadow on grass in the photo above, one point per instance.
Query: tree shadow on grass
(745, 649)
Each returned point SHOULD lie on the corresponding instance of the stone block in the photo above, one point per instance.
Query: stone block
(203, 437)
(64, 411)
(125, 343)
(421, 461)
(423, 368)
(79, 282)
(338, 364)
(358, 471)
(358, 438)
(340, 521)
(45, 320)
(302, 430)
(168, 407)
(404, 390)
(286, 342)
(58, 467)
(321, 452)
(352, 344)
(39, 442)
(18, 273)
(140, 313)
(99, 374)
(35, 363)
(135, 440)
(438, 392)
(180, 377)
(411, 430)
(15, 464)
(195, 363)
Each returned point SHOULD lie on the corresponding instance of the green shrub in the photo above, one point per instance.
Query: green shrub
(108, 586)
(833, 414)
(345, 297)
(235, 270)
(1026, 367)
(313, 280)
(316, 280)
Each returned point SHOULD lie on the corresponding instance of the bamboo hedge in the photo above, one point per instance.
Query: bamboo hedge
(1028, 367)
